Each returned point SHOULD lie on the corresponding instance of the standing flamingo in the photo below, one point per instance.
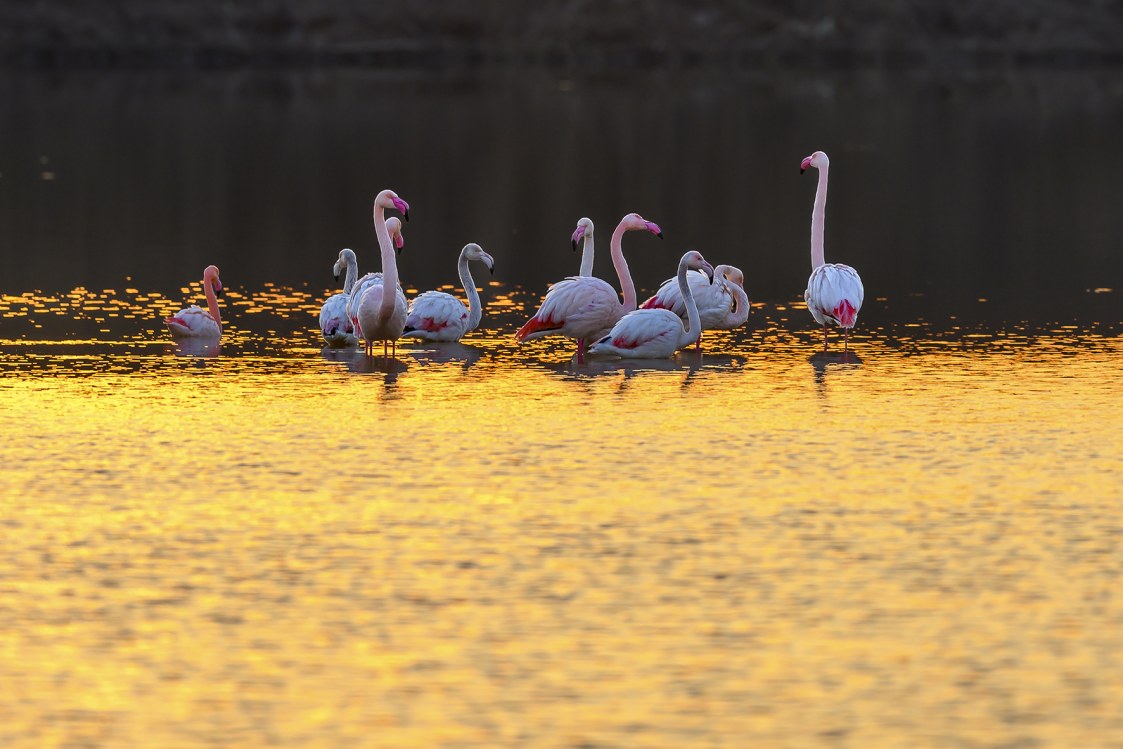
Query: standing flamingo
(722, 303)
(335, 326)
(382, 307)
(834, 291)
(196, 322)
(585, 230)
(437, 316)
(657, 333)
(585, 306)
(394, 228)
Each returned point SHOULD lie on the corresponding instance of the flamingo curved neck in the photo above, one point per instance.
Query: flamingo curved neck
(212, 301)
(587, 256)
(693, 322)
(474, 310)
(389, 265)
(819, 219)
(742, 312)
(621, 266)
(352, 272)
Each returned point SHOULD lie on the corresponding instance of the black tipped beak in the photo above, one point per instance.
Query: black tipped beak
(802, 170)
(396, 249)
(336, 276)
(491, 270)
(406, 215)
(574, 243)
(660, 235)
(218, 292)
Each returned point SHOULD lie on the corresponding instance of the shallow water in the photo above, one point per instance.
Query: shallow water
(476, 545)
(268, 544)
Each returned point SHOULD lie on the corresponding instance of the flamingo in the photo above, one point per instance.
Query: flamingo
(394, 228)
(834, 291)
(585, 230)
(657, 333)
(437, 316)
(196, 322)
(585, 306)
(335, 325)
(722, 303)
(382, 313)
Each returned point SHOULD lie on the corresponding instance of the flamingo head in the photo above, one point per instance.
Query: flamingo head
(473, 251)
(345, 255)
(584, 229)
(394, 229)
(210, 276)
(818, 160)
(390, 199)
(731, 274)
(695, 261)
(636, 222)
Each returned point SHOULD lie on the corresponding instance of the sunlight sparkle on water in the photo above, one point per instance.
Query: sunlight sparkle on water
(482, 545)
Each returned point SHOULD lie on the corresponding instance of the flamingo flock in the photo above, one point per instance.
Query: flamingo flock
(584, 308)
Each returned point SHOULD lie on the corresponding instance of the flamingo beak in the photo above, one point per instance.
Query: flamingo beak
(654, 229)
(805, 165)
(577, 235)
(399, 243)
(402, 207)
(218, 290)
(708, 270)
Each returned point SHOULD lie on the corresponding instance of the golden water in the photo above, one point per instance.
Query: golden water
(486, 546)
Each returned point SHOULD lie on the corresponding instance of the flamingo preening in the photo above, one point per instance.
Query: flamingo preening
(583, 307)
(382, 307)
(437, 316)
(657, 333)
(722, 302)
(834, 291)
(196, 322)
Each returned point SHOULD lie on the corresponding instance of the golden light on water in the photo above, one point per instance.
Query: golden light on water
(487, 546)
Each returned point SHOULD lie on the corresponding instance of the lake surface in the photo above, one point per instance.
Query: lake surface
(484, 545)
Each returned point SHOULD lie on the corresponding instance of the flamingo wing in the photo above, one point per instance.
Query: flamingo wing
(578, 307)
(192, 321)
(834, 293)
(435, 315)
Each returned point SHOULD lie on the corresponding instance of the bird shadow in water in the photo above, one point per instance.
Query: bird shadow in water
(197, 348)
(445, 353)
(824, 361)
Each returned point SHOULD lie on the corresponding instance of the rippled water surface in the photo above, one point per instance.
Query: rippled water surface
(265, 544)
(479, 546)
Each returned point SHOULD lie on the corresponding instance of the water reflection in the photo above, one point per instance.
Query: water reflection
(198, 347)
(444, 353)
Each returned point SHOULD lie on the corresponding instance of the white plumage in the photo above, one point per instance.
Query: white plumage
(335, 324)
(722, 302)
(196, 322)
(381, 313)
(437, 316)
(657, 333)
(834, 291)
(394, 229)
(583, 307)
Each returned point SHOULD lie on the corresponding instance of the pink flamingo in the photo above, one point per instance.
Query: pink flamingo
(582, 307)
(722, 303)
(437, 316)
(584, 231)
(657, 333)
(196, 322)
(394, 228)
(382, 306)
(834, 291)
(335, 326)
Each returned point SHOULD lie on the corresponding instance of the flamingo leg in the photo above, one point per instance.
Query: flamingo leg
(699, 346)
(845, 340)
(824, 339)
(580, 350)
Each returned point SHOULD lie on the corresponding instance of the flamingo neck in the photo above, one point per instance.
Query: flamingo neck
(587, 256)
(621, 266)
(352, 271)
(742, 313)
(389, 264)
(819, 219)
(474, 310)
(693, 322)
(212, 301)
